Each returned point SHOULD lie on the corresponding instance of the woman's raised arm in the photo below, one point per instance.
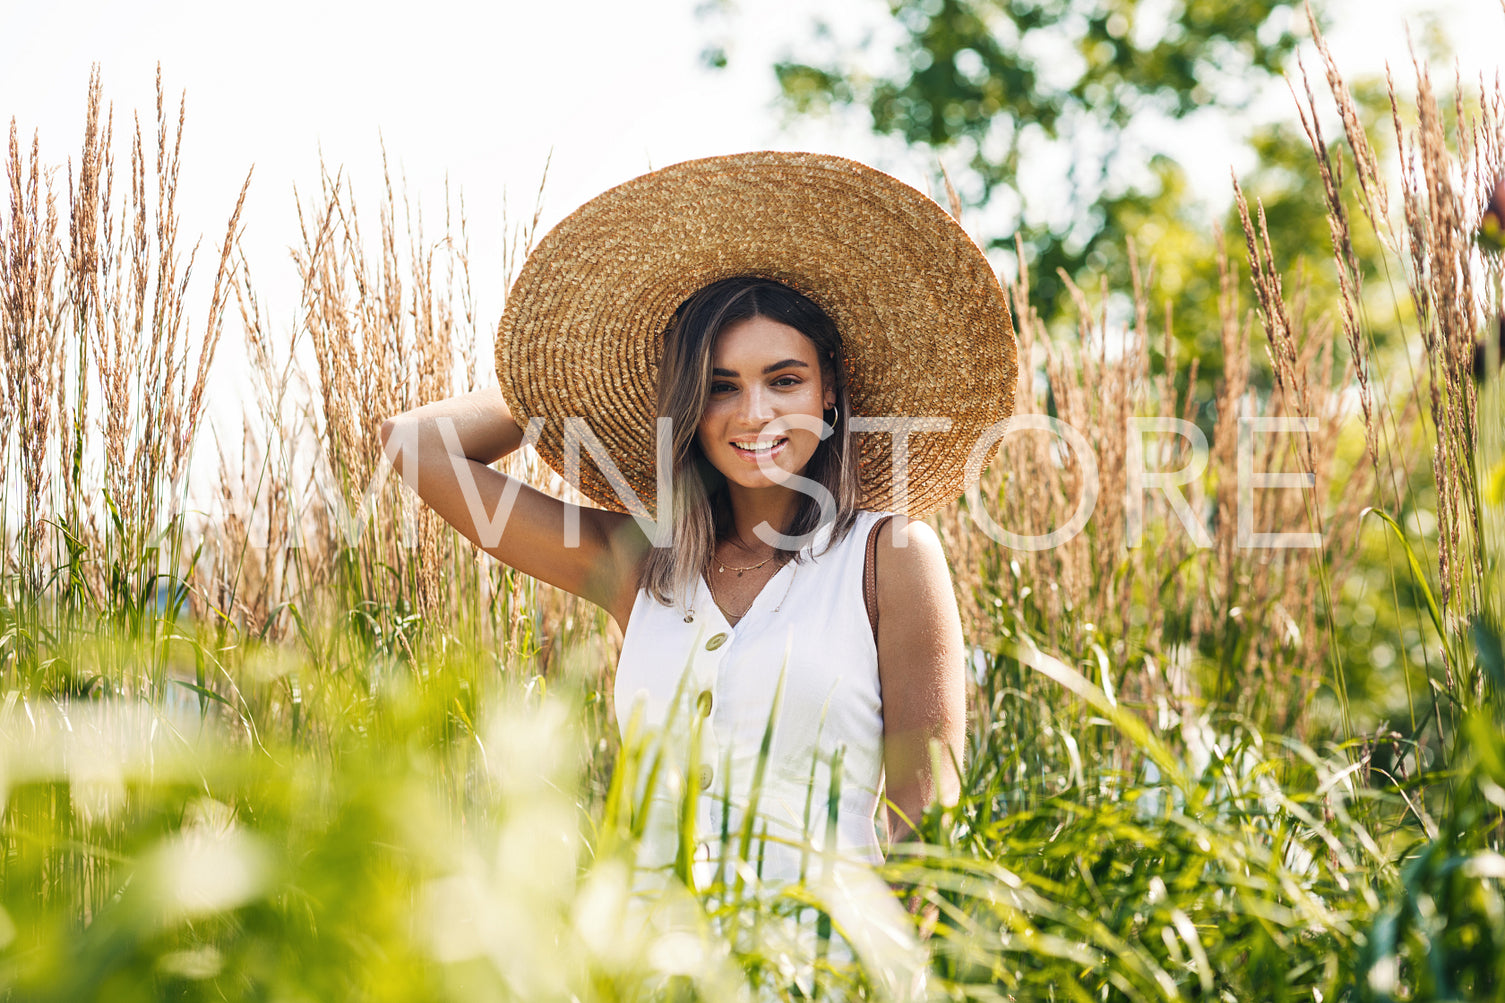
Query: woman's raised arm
(444, 450)
(920, 662)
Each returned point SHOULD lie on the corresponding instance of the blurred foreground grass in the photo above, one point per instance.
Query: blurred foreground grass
(447, 836)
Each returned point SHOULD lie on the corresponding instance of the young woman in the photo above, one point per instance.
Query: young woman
(732, 320)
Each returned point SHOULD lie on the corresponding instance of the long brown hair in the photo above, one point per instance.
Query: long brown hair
(702, 511)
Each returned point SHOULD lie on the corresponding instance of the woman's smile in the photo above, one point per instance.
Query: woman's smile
(755, 451)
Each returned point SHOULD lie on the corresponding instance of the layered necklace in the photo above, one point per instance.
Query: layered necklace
(722, 567)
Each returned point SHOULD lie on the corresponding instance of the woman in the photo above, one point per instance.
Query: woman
(705, 338)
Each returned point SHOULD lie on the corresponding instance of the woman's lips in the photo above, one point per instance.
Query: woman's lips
(754, 455)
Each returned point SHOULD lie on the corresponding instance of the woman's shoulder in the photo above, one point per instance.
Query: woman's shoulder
(907, 548)
(915, 592)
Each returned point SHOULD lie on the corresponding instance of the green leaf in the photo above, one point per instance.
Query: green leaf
(204, 692)
(1418, 573)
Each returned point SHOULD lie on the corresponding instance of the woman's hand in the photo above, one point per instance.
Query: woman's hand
(920, 662)
(443, 452)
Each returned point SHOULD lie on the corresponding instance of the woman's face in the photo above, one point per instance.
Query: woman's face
(762, 370)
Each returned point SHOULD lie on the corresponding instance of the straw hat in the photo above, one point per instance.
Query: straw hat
(923, 322)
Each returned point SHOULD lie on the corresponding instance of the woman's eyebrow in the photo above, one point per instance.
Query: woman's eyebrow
(775, 367)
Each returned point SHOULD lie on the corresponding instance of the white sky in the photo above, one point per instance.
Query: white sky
(481, 92)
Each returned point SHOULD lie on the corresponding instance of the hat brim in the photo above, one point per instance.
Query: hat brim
(924, 323)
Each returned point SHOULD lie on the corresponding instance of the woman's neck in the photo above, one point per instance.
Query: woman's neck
(751, 508)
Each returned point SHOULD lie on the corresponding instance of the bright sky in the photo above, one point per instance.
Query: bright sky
(481, 93)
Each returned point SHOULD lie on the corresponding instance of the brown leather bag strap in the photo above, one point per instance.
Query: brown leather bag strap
(870, 575)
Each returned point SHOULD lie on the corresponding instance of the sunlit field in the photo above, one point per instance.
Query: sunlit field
(288, 737)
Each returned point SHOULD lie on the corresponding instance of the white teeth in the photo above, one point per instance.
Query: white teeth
(758, 447)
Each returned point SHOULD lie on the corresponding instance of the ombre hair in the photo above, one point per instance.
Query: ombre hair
(702, 509)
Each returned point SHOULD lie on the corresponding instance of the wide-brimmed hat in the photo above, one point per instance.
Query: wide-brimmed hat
(924, 324)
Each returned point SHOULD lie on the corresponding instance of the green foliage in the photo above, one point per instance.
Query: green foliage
(1442, 935)
(1000, 80)
(436, 833)
(1210, 863)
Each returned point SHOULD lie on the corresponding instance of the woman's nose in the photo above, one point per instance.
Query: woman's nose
(757, 406)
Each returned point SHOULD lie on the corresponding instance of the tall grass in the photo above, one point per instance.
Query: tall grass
(103, 378)
(314, 746)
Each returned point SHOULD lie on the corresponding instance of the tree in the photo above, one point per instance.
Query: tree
(1091, 83)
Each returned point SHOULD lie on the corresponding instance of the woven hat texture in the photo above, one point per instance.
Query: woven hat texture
(923, 321)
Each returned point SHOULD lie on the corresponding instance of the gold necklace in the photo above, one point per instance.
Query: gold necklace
(722, 566)
(690, 613)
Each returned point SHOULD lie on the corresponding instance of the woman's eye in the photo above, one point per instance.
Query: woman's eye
(721, 388)
(787, 381)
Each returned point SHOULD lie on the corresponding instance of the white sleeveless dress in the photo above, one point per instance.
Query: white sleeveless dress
(716, 682)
